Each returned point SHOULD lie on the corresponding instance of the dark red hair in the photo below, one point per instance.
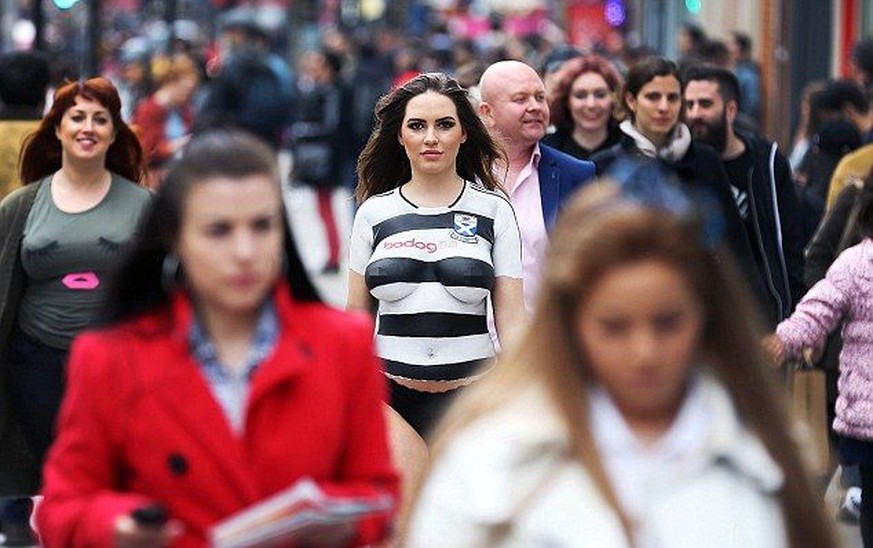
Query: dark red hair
(559, 104)
(41, 151)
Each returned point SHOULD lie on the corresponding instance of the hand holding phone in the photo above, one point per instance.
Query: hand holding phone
(147, 526)
(152, 515)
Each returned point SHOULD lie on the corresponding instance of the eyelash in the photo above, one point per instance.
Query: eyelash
(97, 121)
(263, 225)
(259, 225)
(418, 126)
(596, 94)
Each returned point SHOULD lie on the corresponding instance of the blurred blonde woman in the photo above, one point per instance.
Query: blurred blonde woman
(638, 410)
(165, 119)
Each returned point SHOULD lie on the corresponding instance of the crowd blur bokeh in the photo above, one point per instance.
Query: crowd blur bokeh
(354, 105)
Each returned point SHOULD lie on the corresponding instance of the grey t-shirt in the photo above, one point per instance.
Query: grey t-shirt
(67, 256)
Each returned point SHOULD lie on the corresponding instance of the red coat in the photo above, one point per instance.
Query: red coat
(151, 119)
(139, 424)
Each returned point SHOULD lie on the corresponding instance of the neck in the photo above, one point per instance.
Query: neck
(652, 427)
(231, 333)
(224, 326)
(433, 190)
(518, 154)
(733, 148)
(590, 140)
(658, 140)
(84, 174)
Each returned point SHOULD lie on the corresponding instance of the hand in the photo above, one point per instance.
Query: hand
(129, 534)
(179, 143)
(774, 348)
(324, 535)
(812, 355)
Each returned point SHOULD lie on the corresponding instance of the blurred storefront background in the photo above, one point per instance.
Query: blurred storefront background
(794, 40)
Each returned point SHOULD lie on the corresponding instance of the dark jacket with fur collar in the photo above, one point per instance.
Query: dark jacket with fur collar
(701, 167)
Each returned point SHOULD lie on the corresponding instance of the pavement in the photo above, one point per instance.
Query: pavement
(302, 208)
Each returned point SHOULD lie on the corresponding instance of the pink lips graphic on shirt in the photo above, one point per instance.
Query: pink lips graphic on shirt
(81, 280)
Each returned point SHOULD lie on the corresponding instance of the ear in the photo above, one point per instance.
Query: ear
(463, 136)
(402, 144)
(630, 101)
(731, 108)
(486, 113)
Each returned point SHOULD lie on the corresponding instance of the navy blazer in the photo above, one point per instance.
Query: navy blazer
(560, 175)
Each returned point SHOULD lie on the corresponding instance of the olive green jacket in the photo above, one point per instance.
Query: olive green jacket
(19, 474)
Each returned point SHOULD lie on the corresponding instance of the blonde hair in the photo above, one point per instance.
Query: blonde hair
(172, 69)
(597, 232)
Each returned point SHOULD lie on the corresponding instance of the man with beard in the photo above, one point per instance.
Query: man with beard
(761, 183)
(537, 178)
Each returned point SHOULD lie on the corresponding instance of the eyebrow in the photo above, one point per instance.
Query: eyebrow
(451, 118)
(82, 111)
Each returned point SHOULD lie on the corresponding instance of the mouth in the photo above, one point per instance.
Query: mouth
(431, 154)
(243, 280)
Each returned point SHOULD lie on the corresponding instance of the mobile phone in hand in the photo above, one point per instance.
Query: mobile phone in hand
(152, 515)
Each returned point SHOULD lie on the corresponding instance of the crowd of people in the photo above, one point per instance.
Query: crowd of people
(573, 279)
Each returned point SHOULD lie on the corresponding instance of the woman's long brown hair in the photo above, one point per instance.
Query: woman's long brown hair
(383, 165)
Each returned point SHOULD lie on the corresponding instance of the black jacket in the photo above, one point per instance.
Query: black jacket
(702, 167)
(777, 229)
(318, 134)
(826, 244)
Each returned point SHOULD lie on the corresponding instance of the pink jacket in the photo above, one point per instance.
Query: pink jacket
(844, 295)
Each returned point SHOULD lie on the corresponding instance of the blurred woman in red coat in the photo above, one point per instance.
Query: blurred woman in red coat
(165, 118)
(221, 378)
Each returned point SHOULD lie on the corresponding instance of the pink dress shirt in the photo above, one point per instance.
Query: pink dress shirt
(524, 193)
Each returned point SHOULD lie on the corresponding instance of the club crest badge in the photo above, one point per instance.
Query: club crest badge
(465, 227)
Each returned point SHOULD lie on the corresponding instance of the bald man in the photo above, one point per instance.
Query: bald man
(538, 178)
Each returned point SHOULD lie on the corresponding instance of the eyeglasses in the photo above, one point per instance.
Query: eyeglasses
(648, 183)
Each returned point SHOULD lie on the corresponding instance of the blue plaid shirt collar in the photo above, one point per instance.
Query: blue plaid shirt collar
(265, 337)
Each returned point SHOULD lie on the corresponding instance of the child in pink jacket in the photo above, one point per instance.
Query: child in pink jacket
(844, 296)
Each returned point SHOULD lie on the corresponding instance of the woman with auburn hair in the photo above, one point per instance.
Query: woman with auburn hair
(584, 104)
(638, 408)
(60, 235)
(432, 243)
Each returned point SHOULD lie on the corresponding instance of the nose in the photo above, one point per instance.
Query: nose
(644, 347)
(430, 137)
(244, 245)
(533, 104)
